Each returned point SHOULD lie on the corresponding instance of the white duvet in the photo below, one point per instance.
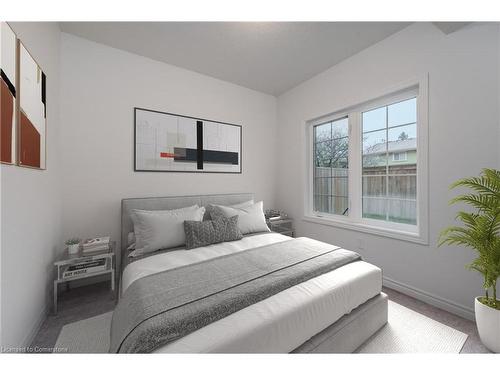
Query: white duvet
(277, 324)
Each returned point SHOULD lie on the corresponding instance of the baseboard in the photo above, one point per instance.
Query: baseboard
(431, 299)
(30, 336)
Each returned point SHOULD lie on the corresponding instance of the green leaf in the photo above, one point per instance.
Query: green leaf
(480, 229)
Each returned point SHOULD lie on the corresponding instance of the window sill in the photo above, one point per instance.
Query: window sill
(369, 229)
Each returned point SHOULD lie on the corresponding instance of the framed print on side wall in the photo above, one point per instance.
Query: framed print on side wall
(166, 142)
(8, 94)
(32, 111)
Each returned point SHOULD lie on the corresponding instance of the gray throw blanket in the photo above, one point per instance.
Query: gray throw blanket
(160, 308)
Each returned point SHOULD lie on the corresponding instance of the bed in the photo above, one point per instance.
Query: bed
(334, 312)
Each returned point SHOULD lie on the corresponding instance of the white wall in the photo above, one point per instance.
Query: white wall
(463, 138)
(100, 87)
(31, 208)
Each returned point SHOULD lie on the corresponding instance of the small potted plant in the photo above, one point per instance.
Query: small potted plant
(481, 232)
(73, 245)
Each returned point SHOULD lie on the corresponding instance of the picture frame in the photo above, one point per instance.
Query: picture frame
(9, 94)
(169, 142)
(32, 112)
(23, 120)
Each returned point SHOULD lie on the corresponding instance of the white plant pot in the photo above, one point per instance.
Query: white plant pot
(488, 325)
(73, 249)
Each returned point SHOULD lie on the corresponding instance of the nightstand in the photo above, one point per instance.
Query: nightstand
(71, 267)
(282, 226)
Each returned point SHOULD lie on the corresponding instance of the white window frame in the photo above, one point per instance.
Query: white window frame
(354, 221)
(404, 153)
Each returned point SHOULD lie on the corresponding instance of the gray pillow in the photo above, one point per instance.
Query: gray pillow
(203, 233)
(250, 216)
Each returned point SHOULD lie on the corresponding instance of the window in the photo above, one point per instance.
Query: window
(367, 169)
(399, 156)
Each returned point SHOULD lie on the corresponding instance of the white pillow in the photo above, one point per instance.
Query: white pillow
(251, 218)
(243, 204)
(155, 230)
(131, 241)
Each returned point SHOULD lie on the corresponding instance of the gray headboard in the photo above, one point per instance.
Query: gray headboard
(169, 203)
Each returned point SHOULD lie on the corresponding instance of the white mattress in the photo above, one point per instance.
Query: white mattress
(277, 324)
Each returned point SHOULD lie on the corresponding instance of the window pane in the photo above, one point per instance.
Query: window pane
(323, 132)
(404, 167)
(340, 152)
(403, 211)
(403, 195)
(374, 197)
(374, 119)
(402, 113)
(331, 193)
(374, 152)
(323, 154)
(403, 150)
(375, 164)
(375, 208)
(340, 128)
(322, 203)
(322, 172)
(340, 205)
(374, 186)
(375, 142)
(323, 186)
(339, 185)
(402, 134)
(404, 187)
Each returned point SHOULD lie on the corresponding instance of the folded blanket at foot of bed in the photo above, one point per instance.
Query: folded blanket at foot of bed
(160, 308)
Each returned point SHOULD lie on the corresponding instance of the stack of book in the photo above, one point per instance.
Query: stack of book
(95, 244)
(89, 266)
(276, 218)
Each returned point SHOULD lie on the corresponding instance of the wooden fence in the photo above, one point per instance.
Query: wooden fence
(331, 190)
(331, 195)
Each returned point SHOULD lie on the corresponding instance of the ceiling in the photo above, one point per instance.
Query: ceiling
(271, 57)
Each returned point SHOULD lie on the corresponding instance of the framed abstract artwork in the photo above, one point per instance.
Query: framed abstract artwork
(8, 94)
(166, 142)
(23, 110)
(32, 111)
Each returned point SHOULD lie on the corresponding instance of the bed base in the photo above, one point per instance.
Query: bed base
(349, 332)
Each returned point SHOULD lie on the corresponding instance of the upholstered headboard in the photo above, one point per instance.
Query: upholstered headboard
(169, 203)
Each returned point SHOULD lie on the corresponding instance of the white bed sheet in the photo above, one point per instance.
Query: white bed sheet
(176, 258)
(277, 324)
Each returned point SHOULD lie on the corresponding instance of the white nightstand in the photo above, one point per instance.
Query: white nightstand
(74, 260)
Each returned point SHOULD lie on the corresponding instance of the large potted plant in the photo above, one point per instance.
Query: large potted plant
(480, 230)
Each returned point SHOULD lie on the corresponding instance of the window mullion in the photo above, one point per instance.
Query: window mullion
(355, 150)
(387, 163)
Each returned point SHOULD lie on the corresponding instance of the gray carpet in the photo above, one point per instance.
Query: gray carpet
(406, 332)
(86, 336)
